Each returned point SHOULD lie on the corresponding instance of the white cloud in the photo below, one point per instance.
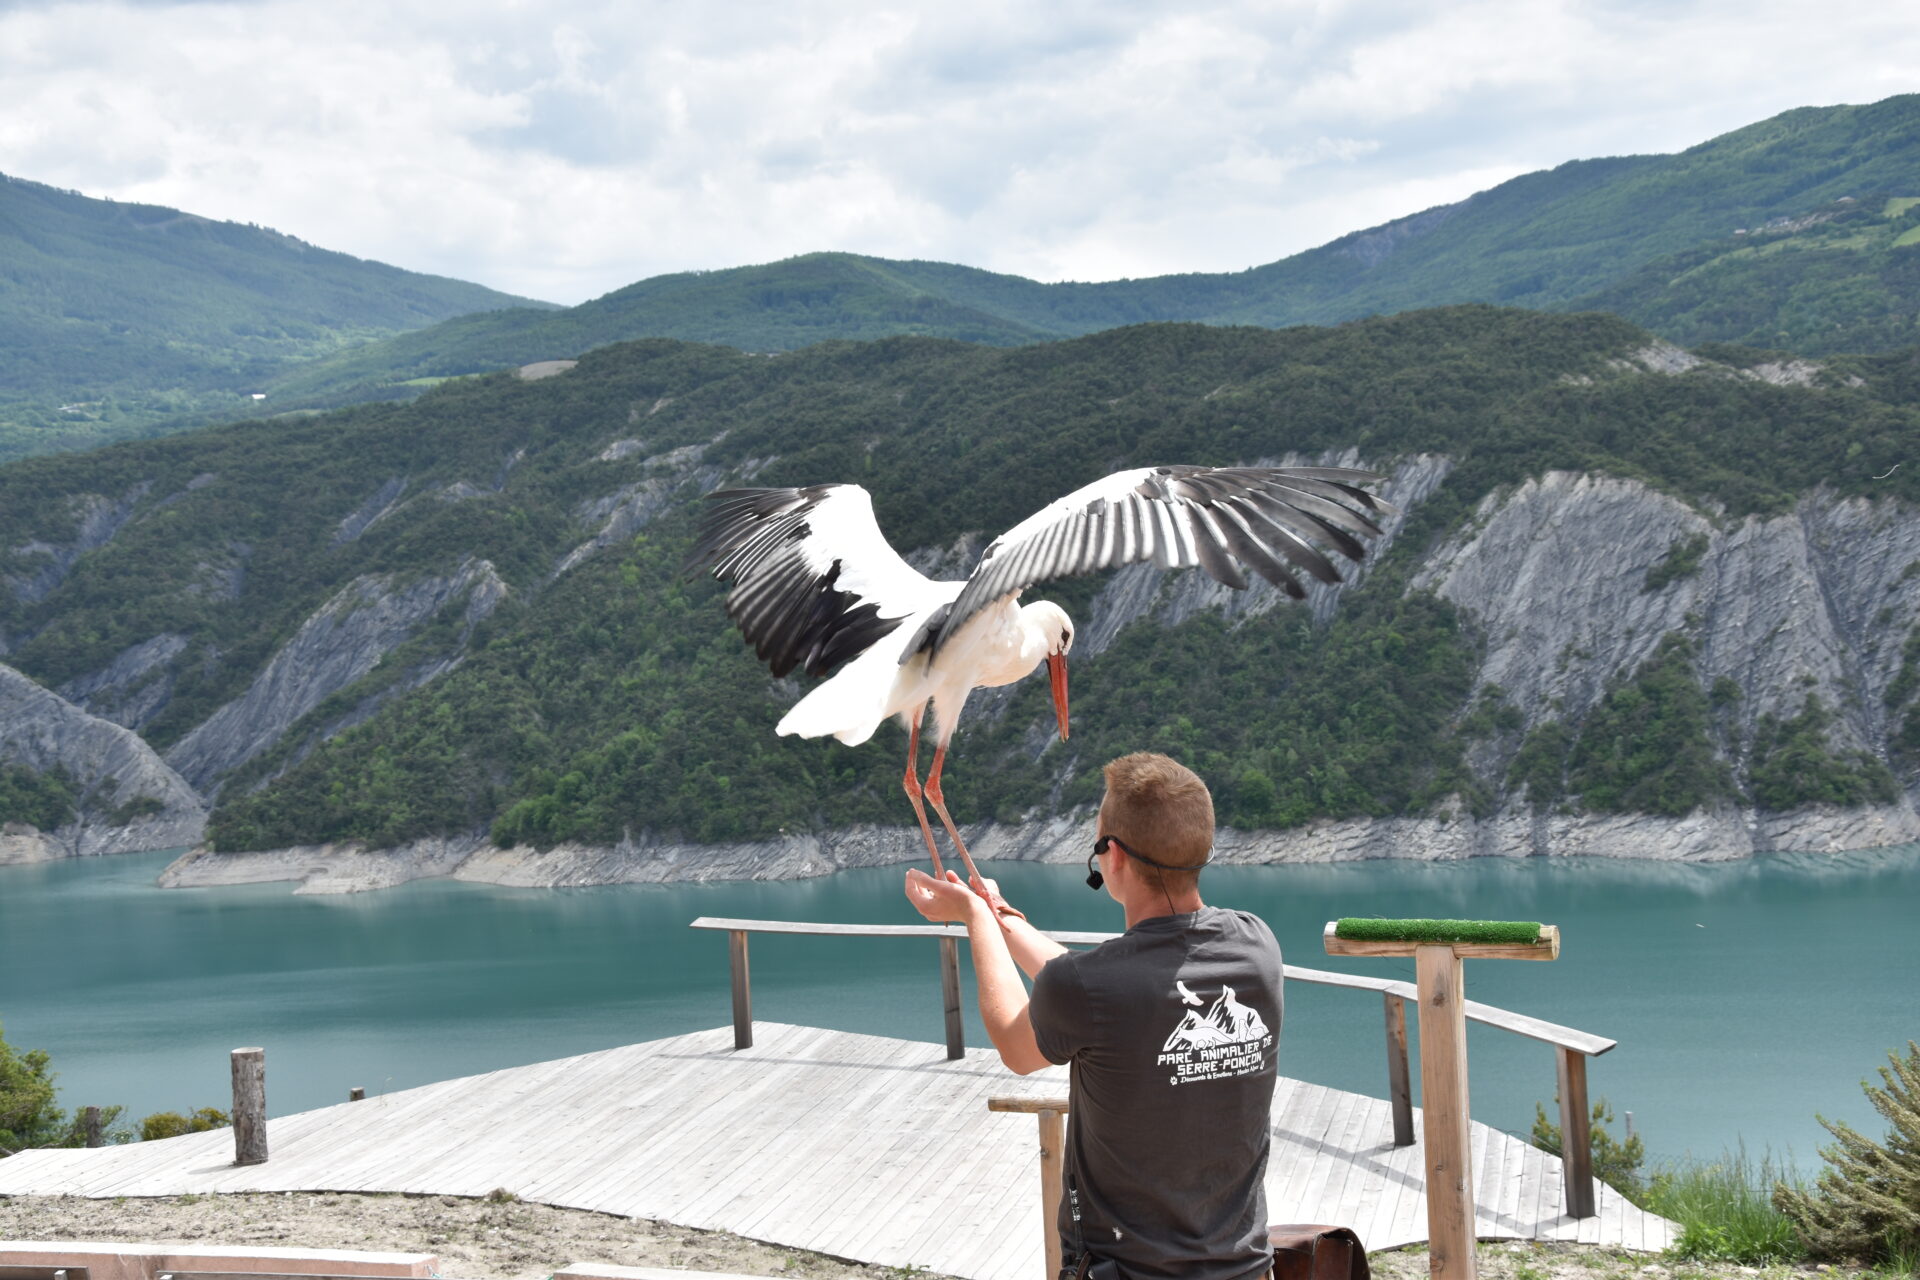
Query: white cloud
(567, 148)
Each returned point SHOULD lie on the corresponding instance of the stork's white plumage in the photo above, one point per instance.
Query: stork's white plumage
(816, 585)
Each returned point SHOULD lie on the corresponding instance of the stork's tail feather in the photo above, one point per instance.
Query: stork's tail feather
(827, 720)
(851, 705)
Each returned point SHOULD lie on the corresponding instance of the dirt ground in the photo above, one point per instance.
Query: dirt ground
(1510, 1260)
(500, 1239)
(508, 1239)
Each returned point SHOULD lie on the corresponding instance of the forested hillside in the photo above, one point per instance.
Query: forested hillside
(1799, 233)
(467, 613)
(127, 319)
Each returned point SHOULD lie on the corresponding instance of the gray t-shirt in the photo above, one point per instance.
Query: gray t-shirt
(1173, 1031)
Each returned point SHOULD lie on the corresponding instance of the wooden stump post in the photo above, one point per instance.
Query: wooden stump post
(250, 1106)
(1447, 1125)
(356, 1094)
(1052, 1113)
(90, 1121)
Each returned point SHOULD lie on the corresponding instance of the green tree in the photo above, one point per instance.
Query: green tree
(28, 1116)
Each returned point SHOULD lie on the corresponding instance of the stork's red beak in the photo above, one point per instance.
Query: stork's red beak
(1057, 672)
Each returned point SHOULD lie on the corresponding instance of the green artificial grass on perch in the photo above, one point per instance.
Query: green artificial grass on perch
(1500, 932)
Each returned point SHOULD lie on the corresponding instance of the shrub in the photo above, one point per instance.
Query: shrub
(171, 1124)
(1681, 561)
(1866, 1205)
(1615, 1163)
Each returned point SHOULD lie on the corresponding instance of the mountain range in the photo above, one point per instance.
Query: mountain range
(124, 319)
(1800, 233)
(1644, 597)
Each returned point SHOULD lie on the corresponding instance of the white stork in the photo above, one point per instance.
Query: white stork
(815, 585)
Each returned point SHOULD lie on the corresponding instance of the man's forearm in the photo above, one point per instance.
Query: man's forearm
(1003, 997)
(1030, 948)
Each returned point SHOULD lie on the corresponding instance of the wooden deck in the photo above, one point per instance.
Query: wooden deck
(859, 1146)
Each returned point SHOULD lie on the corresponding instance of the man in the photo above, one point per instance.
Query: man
(1171, 1030)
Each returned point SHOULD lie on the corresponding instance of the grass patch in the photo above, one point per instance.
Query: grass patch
(1724, 1208)
(1899, 205)
(1360, 929)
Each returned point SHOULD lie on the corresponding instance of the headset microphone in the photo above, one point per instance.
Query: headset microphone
(1095, 880)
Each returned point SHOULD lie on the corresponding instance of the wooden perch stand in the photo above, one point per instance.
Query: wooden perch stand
(1443, 1079)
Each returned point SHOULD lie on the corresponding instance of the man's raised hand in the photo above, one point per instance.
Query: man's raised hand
(942, 901)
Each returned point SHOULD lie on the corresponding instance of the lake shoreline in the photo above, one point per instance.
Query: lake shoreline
(1703, 836)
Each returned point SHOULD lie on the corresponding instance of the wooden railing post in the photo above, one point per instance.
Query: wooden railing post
(90, 1121)
(1052, 1114)
(742, 991)
(250, 1106)
(1576, 1150)
(356, 1094)
(1399, 1088)
(950, 994)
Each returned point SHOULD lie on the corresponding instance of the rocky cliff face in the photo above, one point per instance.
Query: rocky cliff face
(1566, 583)
(340, 643)
(132, 688)
(98, 519)
(343, 641)
(112, 768)
(1559, 579)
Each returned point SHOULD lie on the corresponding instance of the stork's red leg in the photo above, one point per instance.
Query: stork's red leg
(940, 807)
(912, 784)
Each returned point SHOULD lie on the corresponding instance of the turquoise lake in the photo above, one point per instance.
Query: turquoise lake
(1745, 996)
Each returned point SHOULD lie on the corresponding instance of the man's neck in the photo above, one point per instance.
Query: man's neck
(1182, 904)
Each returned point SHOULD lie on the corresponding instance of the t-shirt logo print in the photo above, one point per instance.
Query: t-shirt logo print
(1227, 1022)
(1227, 1039)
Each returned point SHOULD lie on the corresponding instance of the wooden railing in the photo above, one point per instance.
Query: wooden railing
(1571, 1046)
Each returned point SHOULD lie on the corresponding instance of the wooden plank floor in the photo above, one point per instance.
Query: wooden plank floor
(859, 1146)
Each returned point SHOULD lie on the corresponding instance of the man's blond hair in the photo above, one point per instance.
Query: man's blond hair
(1159, 808)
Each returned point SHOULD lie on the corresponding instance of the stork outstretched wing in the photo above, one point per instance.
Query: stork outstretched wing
(814, 580)
(1268, 518)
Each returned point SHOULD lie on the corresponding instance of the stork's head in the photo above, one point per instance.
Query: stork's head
(1049, 623)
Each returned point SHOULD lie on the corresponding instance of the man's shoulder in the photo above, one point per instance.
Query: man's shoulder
(1253, 926)
(1225, 925)
(1242, 927)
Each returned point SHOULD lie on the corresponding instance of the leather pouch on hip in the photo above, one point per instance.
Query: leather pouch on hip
(1304, 1251)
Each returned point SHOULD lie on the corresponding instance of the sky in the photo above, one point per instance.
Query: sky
(560, 149)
